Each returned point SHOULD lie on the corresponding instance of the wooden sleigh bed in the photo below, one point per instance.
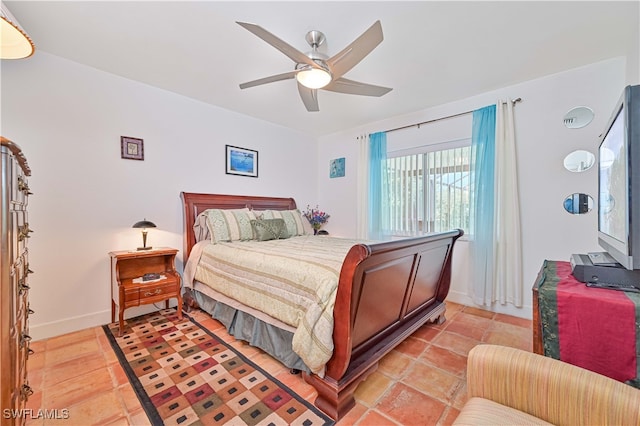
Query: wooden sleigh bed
(386, 291)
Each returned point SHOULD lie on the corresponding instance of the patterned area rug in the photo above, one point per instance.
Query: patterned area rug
(185, 375)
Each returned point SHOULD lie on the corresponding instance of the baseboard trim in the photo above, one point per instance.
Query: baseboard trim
(95, 319)
(463, 299)
(69, 325)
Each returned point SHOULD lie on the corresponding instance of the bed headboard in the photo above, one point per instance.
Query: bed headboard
(194, 204)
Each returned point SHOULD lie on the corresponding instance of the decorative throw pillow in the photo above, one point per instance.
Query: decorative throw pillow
(292, 218)
(269, 229)
(230, 224)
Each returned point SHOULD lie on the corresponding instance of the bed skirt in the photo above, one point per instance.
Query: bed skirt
(243, 326)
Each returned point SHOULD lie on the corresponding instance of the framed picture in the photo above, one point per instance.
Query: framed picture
(131, 148)
(336, 168)
(242, 161)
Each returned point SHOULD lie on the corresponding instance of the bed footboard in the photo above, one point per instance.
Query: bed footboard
(386, 292)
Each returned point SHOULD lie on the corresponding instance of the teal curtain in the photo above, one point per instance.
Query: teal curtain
(377, 184)
(483, 150)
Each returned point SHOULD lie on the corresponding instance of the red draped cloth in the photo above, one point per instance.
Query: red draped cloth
(596, 327)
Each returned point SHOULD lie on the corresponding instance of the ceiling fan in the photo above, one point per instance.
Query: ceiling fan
(314, 70)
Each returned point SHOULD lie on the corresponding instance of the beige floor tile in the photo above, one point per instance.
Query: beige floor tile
(412, 347)
(408, 406)
(369, 391)
(455, 342)
(479, 312)
(431, 381)
(395, 364)
(65, 370)
(129, 398)
(445, 359)
(420, 382)
(103, 408)
(373, 417)
(70, 338)
(139, 418)
(76, 389)
(71, 351)
(353, 416)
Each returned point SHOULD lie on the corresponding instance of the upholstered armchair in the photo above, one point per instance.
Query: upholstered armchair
(509, 386)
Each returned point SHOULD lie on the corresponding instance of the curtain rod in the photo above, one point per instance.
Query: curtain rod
(442, 118)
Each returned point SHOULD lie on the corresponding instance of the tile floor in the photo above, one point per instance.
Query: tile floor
(421, 382)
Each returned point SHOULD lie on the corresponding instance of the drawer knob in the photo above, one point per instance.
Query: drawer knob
(23, 185)
(25, 339)
(26, 391)
(24, 232)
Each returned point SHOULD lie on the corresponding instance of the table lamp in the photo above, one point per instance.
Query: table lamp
(144, 224)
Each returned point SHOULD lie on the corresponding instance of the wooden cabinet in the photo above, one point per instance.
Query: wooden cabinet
(14, 284)
(128, 288)
(593, 328)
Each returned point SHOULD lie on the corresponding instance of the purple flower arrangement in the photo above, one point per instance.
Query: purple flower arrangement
(316, 217)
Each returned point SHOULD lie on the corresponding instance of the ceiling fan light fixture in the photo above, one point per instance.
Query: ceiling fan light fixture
(14, 42)
(313, 78)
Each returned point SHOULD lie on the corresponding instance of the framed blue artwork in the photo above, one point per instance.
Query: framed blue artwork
(336, 168)
(241, 161)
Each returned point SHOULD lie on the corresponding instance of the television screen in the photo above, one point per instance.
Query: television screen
(613, 197)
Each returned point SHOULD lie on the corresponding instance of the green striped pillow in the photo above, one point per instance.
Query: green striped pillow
(230, 224)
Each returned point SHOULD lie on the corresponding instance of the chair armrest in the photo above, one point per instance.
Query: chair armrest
(552, 390)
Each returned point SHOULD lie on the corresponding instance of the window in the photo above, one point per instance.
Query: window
(430, 191)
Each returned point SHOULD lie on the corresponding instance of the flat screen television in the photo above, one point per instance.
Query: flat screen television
(619, 182)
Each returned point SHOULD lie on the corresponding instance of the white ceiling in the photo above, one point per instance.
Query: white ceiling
(433, 52)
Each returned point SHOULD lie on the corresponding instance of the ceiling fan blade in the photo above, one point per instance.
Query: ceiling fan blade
(356, 51)
(271, 79)
(342, 85)
(309, 98)
(294, 54)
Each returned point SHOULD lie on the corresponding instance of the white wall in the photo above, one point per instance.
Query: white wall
(68, 119)
(633, 59)
(548, 232)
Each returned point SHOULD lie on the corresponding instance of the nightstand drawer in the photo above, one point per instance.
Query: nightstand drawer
(160, 291)
(148, 293)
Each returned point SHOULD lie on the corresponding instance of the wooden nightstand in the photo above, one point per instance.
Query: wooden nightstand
(127, 287)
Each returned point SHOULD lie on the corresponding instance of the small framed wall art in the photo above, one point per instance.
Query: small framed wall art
(241, 161)
(336, 168)
(131, 148)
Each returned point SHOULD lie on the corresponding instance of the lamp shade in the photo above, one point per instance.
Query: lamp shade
(313, 78)
(144, 224)
(14, 42)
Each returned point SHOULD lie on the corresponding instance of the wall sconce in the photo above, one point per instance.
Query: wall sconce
(144, 224)
(14, 42)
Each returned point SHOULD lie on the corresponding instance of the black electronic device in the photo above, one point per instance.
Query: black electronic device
(615, 286)
(603, 272)
(151, 277)
(619, 182)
